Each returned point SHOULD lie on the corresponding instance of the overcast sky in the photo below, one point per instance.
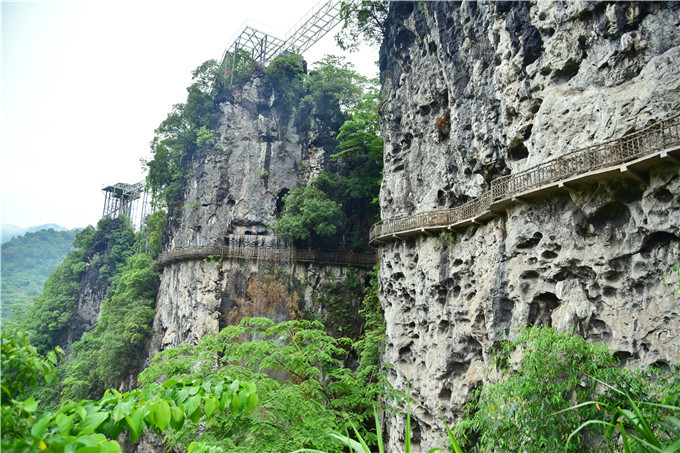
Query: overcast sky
(84, 85)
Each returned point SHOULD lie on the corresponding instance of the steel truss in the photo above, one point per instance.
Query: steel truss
(120, 199)
(263, 47)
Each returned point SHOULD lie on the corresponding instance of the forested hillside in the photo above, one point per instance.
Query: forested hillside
(27, 262)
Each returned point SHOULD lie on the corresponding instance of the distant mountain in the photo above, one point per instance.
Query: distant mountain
(27, 261)
(10, 231)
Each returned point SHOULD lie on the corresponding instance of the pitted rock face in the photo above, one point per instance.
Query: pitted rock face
(473, 91)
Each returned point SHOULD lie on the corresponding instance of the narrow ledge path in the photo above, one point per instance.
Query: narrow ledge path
(633, 154)
(212, 253)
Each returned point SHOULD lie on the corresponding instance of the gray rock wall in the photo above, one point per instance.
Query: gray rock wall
(237, 186)
(519, 83)
(235, 191)
(199, 297)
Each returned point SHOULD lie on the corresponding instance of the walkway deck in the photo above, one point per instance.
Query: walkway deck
(633, 154)
(282, 255)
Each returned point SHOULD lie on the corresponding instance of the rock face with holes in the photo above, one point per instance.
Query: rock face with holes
(474, 91)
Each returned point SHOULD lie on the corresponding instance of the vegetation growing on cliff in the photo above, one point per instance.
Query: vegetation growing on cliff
(98, 255)
(303, 385)
(107, 355)
(188, 128)
(362, 21)
(352, 187)
(544, 376)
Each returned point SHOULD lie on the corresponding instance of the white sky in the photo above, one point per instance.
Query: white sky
(84, 85)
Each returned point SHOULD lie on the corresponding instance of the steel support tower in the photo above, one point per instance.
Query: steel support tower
(121, 199)
(263, 47)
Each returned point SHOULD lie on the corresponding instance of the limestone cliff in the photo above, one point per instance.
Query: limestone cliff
(473, 91)
(232, 196)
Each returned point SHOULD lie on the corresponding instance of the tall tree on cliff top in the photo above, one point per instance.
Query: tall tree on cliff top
(362, 21)
(187, 128)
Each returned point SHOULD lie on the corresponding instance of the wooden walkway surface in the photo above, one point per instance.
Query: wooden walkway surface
(254, 253)
(633, 154)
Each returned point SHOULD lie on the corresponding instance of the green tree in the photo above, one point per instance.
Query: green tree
(309, 215)
(303, 386)
(544, 371)
(244, 67)
(150, 238)
(99, 253)
(362, 21)
(333, 84)
(360, 166)
(111, 352)
(286, 77)
(189, 127)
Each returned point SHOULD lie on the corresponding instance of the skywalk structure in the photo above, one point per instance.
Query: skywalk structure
(122, 199)
(264, 47)
(632, 154)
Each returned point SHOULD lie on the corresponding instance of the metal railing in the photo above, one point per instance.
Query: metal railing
(263, 47)
(654, 138)
(248, 252)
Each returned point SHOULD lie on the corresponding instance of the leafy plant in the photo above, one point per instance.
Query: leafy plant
(543, 371)
(189, 127)
(108, 354)
(308, 213)
(91, 426)
(98, 255)
(360, 446)
(302, 383)
(644, 427)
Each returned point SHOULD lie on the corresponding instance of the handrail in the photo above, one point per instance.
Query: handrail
(657, 137)
(290, 254)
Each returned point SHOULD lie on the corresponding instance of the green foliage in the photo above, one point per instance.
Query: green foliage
(362, 21)
(104, 357)
(360, 445)
(99, 254)
(286, 75)
(542, 372)
(674, 272)
(27, 262)
(339, 207)
(335, 296)
(360, 166)
(308, 213)
(205, 137)
(150, 239)
(303, 385)
(372, 340)
(643, 426)
(189, 127)
(91, 426)
(333, 85)
(48, 316)
(243, 69)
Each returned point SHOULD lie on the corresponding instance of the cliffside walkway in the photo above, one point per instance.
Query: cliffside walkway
(633, 154)
(254, 253)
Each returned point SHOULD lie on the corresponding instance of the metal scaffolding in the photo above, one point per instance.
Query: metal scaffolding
(122, 199)
(263, 47)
